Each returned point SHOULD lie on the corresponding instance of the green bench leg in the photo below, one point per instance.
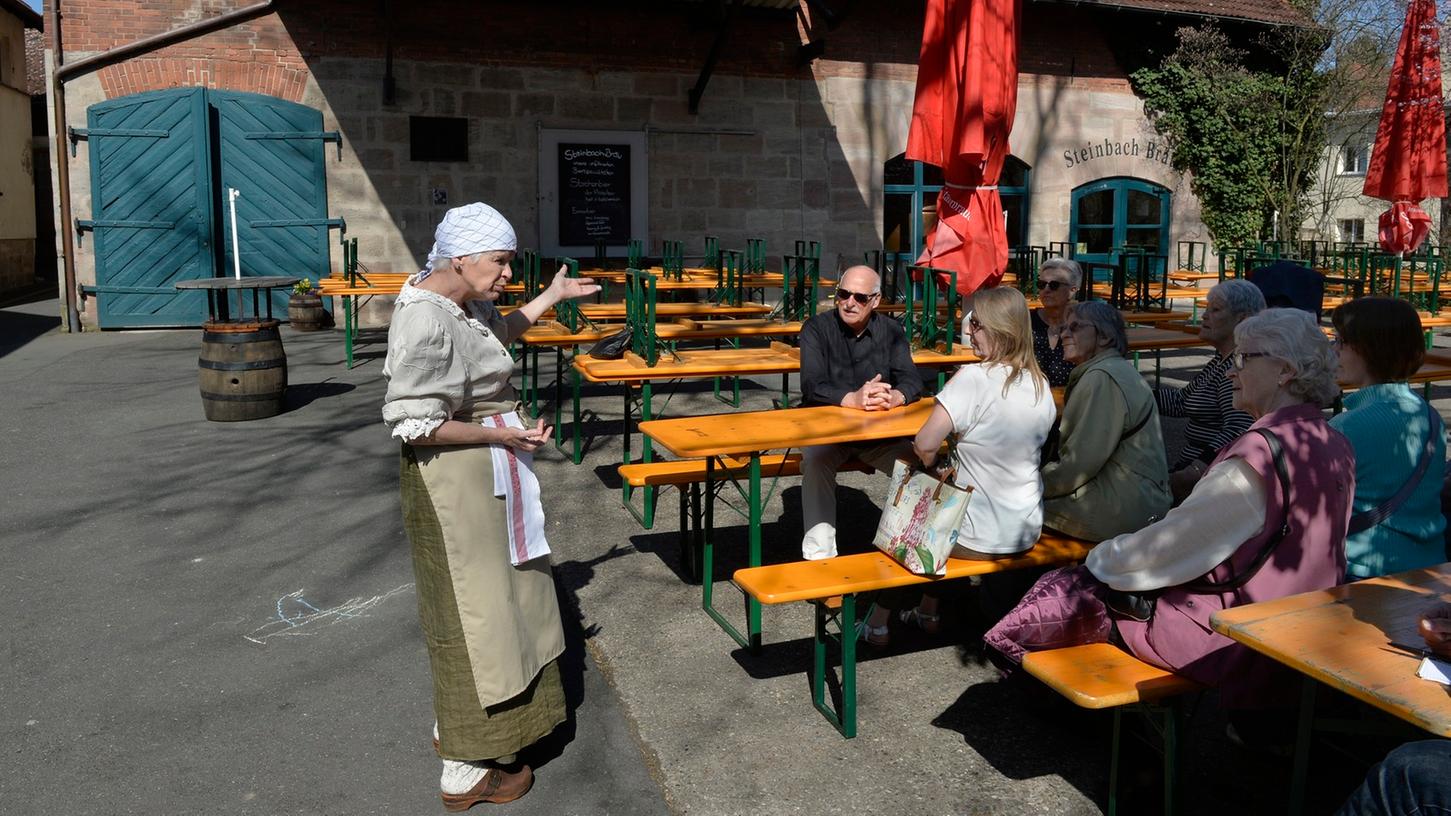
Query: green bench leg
(844, 719)
(1166, 719)
(1113, 761)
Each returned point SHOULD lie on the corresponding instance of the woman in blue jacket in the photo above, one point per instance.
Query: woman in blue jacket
(1399, 441)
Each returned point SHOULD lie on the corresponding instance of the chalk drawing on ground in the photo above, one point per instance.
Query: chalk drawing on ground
(297, 617)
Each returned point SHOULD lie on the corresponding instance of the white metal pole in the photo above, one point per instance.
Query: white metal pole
(232, 195)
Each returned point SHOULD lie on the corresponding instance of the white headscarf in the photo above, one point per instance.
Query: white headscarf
(469, 229)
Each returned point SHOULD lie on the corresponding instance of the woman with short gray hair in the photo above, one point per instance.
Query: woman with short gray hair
(1108, 475)
(1207, 401)
(1267, 520)
(1058, 282)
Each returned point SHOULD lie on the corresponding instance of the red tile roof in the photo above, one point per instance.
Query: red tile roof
(1276, 12)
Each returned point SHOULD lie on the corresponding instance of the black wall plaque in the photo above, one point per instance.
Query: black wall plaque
(594, 194)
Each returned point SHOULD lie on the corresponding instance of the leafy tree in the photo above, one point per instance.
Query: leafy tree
(1251, 138)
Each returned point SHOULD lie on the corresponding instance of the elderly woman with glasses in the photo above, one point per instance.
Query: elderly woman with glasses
(1400, 442)
(1058, 282)
(1208, 401)
(1267, 520)
(1108, 475)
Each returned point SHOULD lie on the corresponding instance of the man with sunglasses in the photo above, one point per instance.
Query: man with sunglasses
(855, 358)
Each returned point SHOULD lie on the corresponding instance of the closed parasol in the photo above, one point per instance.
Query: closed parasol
(967, 94)
(1408, 162)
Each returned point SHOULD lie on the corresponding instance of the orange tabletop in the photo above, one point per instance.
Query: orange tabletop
(1339, 637)
(554, 333)
(1146, 338)
(729, 362)
(1434, 368)
(755, 431)
(606, 310)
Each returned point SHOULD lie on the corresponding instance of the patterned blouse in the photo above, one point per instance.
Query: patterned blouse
(1208, 402)
(1050, 358)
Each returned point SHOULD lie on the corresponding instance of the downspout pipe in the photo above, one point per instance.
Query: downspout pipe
(63, 73)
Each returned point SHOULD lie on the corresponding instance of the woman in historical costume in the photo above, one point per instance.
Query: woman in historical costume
(1108, 474)
(1267, 520)
(486, 598)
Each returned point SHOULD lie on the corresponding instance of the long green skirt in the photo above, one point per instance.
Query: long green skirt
(467, 729)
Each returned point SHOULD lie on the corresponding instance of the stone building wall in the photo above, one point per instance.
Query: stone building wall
(777, 150)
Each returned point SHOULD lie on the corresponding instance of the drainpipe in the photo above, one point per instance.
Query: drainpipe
(59, 148)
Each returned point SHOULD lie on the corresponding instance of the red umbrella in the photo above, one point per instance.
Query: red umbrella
(967, 94)
(1408, 163)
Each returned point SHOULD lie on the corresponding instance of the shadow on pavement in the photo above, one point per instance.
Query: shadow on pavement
(18, 328)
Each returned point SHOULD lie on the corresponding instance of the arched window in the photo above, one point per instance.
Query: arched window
(909, 205)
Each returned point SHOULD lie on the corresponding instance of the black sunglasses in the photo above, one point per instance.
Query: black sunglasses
(1055, 285)
(860, 297)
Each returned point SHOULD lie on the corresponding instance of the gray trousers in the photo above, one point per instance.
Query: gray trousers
(819, 464)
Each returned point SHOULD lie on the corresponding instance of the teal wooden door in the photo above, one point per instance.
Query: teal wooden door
(271, 150)
(151, 207)
(1117, 213)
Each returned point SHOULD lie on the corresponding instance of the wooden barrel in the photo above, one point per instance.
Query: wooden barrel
(306, 313)
(242, 370)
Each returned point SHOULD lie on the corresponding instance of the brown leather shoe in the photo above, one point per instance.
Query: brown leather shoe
(497, 786)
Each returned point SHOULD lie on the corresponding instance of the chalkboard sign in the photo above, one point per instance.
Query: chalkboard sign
(593, 189)
(594, 193)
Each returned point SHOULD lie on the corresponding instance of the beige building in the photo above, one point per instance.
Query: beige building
(17, 167)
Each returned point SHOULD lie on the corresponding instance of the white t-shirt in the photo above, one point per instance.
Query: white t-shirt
(998, 441)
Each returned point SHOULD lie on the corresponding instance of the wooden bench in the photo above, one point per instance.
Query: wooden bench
(691, 474)
(832, 585)
(1100, 675)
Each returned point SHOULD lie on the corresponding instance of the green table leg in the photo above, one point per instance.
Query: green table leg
(348, 327)
(647, 451)
(752, 639)
(1303, 732)
(753, 606)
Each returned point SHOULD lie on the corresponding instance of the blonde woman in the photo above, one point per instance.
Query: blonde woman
(1000, 410)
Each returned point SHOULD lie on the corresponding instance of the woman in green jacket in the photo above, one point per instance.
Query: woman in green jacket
(1109, 475)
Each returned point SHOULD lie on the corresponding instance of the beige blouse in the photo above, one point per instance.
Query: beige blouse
(442, 361)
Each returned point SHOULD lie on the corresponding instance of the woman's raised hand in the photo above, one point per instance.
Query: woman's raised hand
(568, 288)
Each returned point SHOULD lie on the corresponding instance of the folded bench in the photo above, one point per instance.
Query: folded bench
(832, 585)
(1101, 675)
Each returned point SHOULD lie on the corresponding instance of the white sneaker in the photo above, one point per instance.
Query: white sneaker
(819, 542)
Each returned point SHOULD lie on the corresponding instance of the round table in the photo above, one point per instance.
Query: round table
(242, 369)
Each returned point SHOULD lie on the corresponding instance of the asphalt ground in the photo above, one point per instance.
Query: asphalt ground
(219, 618)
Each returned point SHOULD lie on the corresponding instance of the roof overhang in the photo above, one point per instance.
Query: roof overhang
(28, 16)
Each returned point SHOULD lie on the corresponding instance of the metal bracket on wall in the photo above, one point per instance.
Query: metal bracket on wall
(75, 134)
(706, 70)
(325, 135)
(86, 225)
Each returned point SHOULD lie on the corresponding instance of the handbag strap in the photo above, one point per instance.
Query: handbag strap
(1360, 522)
(1277, 452)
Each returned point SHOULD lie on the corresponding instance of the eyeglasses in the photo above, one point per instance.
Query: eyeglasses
(860, 297)
(1237, 359)
(1072, 326)
(1055, 285)
(973, 327)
